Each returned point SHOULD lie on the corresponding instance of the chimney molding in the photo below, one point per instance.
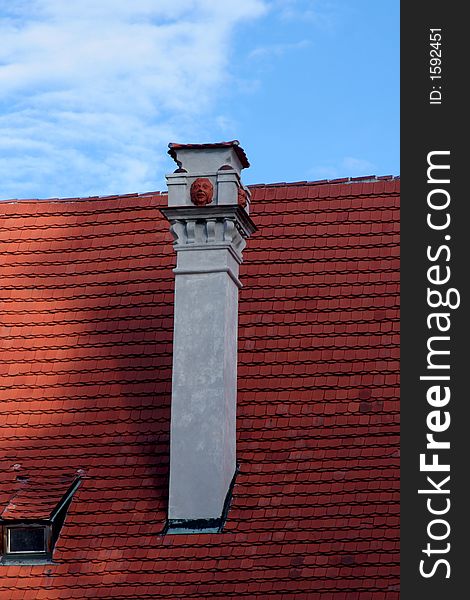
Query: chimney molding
(209, 240)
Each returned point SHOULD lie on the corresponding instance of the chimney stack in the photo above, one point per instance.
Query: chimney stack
(208, 211)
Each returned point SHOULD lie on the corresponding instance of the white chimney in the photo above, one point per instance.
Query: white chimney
(208, 212)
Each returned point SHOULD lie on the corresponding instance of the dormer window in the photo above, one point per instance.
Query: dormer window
(27, 536)
(27, 540)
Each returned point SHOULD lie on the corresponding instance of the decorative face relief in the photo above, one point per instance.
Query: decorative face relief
(242, 201)
(201, 191)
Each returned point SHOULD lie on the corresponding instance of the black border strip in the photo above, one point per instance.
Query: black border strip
(433, 119)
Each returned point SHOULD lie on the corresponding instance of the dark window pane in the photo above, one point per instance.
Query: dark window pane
(26, 539)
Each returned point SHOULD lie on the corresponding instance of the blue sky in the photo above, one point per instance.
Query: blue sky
(92, 92)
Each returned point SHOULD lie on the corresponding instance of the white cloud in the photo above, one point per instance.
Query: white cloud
(320, 13)
(276, 50)
(323, 172)
(358, 165)
(91, 92)
(226, 125)
(349, 166)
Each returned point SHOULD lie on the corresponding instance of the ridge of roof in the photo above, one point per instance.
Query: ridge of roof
(344, 180)
(82, 198)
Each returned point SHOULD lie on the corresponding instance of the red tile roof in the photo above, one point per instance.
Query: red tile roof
(86, 325)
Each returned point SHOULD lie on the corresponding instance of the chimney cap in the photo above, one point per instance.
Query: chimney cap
(235, 144)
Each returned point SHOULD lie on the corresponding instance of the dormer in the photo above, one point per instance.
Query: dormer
(32, 519)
